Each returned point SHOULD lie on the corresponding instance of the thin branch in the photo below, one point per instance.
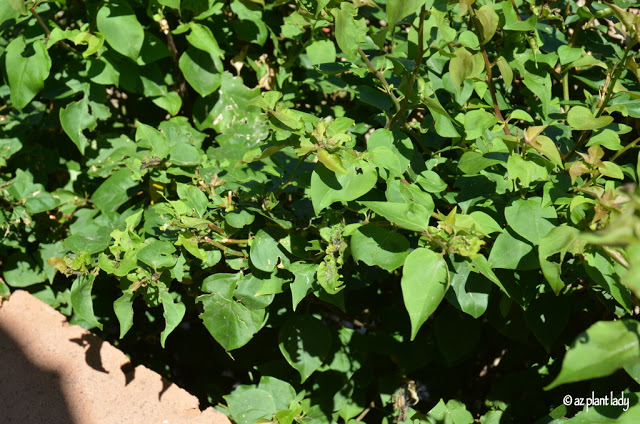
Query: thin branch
(366, 411)
(225, 249)
(416, 70)
(583, 137)
(487, 65)
(623, 150)
(382, 79)
(293, 173)
(40, 21)
(46, 29)
(234, 241)
(181, 83)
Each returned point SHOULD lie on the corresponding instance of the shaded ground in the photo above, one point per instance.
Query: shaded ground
(55, 373)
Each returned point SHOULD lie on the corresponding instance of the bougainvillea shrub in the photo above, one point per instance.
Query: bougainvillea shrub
(336, 211)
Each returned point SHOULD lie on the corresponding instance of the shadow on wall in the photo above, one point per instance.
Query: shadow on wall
(30, 394)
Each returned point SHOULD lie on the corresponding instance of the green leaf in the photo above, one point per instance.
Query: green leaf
(477, 122)
(332, 161)
(611, 170)
(425, 280)
(42, 202)
(581, 118)
(304, 342)
(411, 216)
(607, 274)
(93, 42)
(398, 143)
(121, 29)
(460, 66)
(453, 411)
(544, 145)
(199, 70)
(349, 32)
(27, 67)
(377, 246)
(185, 155)
(505, 71)
(222, 283)
(123, 307)
(513, 22)
(529, 219)
(481, 265)
(112, 193)
(328, 187)
(156, 140)
(474, 162)
(19, 6)
(464, 65)
(568, 54)
(8, 147)
(248, 288)
(173, 314)
(266, 251)
(431, 182)
(600, 351)
(281, 392)
(397, 10)
(526, 171)
(202, 38)
(606, 138)
(231, 323)
(81, 299)
(95, 242)
(171, 102)
(50, 250)
(157, 254)
(75, 118)
(303, 283)
(20, 270)
(5, 291)
(289, 118)
(465, 5)
(540, 86)
(239, 125)
(488, 21)
(470, 292)
(444, 123)
(321, 51)
(313, 6)
(239, 218)
(478, 222)
(509, 252)
(251, 406)
(562, 240)
(193, 197)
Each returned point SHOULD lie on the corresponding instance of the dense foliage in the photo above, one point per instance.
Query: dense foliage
(383, 211)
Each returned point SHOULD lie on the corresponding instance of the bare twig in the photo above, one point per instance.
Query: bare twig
(293, 173)
(366, 411)
(40, 21)
(627, 147)
(583, 137)
(181, 83)
(487, 65)
(46, 29)
(382, 79)
(414, 74)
